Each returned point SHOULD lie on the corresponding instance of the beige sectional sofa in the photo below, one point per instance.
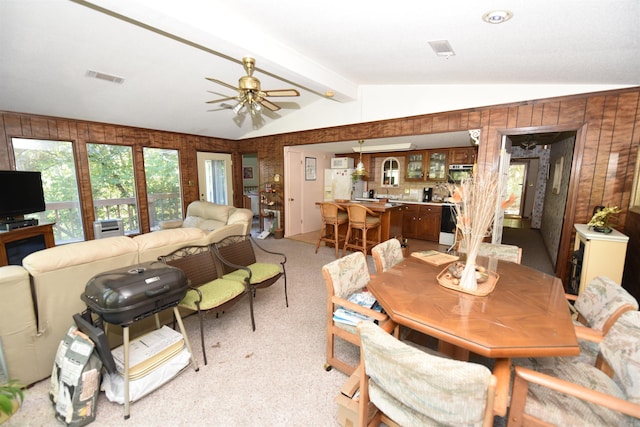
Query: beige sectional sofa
(210, 216)
(40, 297)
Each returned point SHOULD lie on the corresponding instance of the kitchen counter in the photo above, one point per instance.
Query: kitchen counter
(405, 202)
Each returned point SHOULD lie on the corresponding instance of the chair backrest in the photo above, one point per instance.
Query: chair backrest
(329, 212)
(620, 348)
(602, 302)
(236, 250)
(413, 387)
(358, 214)
(346, 275)
(387, 254)
(501, 251)
(197, 262)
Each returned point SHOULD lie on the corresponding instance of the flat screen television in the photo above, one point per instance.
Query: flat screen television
(20, 193)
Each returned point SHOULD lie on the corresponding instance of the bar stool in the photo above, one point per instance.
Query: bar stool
(333, 216)
(364, 219)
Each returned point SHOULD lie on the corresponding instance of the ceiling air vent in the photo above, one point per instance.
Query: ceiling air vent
(442, 48)
(105, 76)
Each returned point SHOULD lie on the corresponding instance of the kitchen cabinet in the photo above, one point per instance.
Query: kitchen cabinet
(437, 165)
(415, 166)
(422, 222)
(462, 155)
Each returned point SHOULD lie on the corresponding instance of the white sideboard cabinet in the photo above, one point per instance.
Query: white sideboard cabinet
(597, 254)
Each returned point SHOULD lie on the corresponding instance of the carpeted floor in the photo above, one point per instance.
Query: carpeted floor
(534, 253)
(271, 377)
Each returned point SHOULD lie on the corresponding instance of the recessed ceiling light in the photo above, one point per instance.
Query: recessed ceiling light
(497, 16)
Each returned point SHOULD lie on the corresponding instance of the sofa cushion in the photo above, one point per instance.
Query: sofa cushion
(59, 257)
(161, 242)
(209, 210)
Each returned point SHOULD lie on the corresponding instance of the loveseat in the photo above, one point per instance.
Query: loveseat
(40, 297)
(210, 216)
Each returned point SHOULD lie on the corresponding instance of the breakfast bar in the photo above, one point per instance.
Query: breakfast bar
(390, 216)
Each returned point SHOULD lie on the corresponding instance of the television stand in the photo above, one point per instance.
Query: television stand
(18, 243)
(13, 224)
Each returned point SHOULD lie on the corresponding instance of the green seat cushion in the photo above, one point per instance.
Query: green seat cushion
(214, 293)
(260, 272)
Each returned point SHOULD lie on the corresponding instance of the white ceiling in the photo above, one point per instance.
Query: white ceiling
(373, 55)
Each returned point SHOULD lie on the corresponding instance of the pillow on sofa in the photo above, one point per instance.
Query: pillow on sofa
(192, 221)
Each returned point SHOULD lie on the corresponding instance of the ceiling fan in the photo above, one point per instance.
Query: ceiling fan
(250, 95)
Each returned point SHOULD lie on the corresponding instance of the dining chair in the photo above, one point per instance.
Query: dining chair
(501, 251)
(560, 392)
(596, 310)
(333, 216)
(207, 290)
(409, 387)
(236, 257)
(344, 277)
(361, 220)
(387, 254)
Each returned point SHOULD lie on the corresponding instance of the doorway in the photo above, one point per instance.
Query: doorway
(215, 180)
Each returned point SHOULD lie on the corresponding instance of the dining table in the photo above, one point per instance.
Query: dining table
(525, 315)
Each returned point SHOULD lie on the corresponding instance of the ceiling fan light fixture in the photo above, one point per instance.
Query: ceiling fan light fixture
(497, 16)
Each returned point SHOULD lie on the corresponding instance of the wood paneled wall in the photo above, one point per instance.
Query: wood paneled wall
(81, 132)
(607, 125)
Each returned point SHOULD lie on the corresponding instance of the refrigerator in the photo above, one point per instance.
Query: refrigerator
(339, 185)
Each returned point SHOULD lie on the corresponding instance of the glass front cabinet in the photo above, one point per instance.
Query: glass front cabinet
(415, 167)
(437, 165)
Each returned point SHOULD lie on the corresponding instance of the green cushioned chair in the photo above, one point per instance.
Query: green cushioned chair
(207, 289)
(236, 258)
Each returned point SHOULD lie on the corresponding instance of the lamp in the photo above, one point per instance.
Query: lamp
(403, 146)
(360, 170)
(249, 101)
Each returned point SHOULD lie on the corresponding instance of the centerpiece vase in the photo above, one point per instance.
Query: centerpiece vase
(468, 279)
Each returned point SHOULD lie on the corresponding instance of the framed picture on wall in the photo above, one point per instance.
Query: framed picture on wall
(310, 168)
(247, 172)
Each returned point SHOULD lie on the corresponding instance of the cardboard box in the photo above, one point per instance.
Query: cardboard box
(348, 402)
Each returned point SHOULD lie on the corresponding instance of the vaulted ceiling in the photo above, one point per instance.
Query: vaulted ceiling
(373, 57)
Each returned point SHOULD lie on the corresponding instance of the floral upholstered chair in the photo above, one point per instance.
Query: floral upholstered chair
(409, 387)
(559, 391)
(597, 308)
(344, 277)
(387, 254)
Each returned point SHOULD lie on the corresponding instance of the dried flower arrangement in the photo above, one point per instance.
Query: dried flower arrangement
(475, 200)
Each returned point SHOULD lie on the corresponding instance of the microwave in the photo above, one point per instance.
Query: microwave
(459, 172)
(342, 163)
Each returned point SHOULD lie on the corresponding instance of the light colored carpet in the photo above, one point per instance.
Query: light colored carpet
(271, 377)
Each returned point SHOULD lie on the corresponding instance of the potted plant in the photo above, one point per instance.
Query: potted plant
(600, 221)
(11, 397)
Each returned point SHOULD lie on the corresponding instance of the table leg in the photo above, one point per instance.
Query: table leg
(502, 371)
(125, 339)
(453, 351)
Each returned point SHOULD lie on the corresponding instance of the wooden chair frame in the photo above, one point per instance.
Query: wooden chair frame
(358, 221)
(331, 222)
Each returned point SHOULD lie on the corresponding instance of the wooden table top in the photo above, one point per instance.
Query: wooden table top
(526, 315)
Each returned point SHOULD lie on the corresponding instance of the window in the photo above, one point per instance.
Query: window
(54, 159)
(113, 184)
(162, 172)
(390, 172)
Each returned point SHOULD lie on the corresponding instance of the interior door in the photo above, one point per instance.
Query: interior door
(293, 212)
(215, 180)
(498, 220)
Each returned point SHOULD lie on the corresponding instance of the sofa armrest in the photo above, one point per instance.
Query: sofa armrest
(242, 216)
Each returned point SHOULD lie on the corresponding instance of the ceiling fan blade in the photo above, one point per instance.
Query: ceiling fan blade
(282, 92)
(222, 83)
(215, 101)
(268, 104)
